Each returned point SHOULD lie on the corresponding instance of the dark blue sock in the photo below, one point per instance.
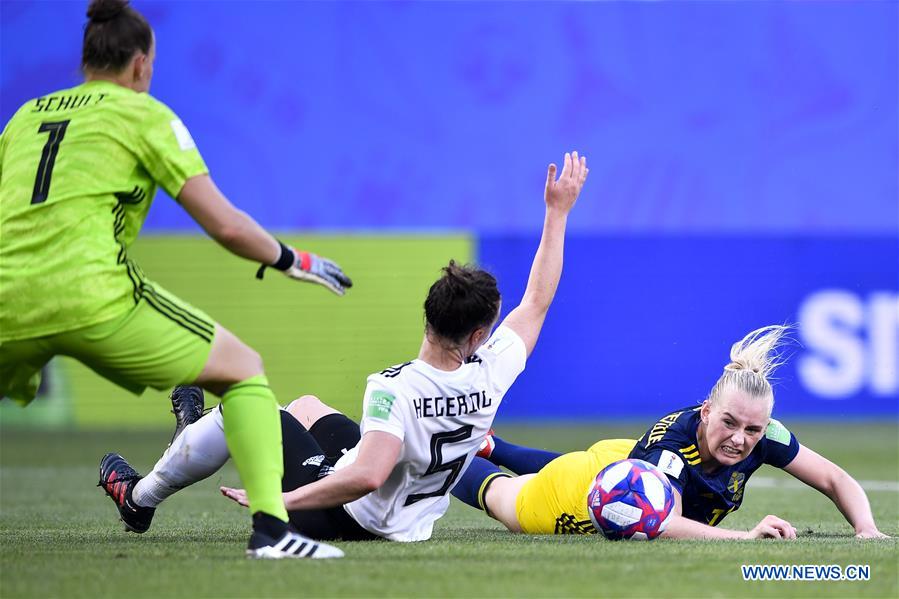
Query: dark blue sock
(470, 486)
(520, 459)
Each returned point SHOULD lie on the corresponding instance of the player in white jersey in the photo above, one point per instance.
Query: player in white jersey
(422, 422)
(440, 419)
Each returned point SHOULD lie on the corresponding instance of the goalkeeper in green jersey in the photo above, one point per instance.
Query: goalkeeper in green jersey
(78, 170)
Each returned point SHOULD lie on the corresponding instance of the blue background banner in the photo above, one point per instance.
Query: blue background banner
(697, 116)
(644, 325)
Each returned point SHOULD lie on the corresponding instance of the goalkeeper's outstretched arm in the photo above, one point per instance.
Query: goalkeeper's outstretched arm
(240, 234)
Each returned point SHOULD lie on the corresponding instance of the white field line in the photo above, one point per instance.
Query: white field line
(763, 482)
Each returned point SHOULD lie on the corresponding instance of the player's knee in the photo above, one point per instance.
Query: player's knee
(230, 361)
(308, 409)
(254, 361)
(302, 404)
(299, 408)
(250, 363)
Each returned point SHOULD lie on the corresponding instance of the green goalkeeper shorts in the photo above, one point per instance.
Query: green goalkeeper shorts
(160, 343)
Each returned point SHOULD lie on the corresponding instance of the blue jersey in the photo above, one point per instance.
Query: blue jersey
(708, 497)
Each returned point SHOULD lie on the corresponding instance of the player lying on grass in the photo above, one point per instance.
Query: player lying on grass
(79, 170)
(708, 452)
(422, 421)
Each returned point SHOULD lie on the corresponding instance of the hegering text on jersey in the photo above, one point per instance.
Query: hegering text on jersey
(454, 405)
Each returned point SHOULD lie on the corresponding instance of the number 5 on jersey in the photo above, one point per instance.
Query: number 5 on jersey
(437, 464)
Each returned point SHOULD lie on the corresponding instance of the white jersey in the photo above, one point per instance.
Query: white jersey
(442, 418)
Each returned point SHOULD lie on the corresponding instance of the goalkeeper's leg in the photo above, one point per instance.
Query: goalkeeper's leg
(165, 342)
(252, 427)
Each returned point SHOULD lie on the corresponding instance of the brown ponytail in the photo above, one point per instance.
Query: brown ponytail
(462, 300)
(114, 33)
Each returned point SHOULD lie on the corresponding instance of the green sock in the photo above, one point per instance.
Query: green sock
(253, 434)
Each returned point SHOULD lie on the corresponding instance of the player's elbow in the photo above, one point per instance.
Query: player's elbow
(837, 479)
(366, 487)
(371, 481)
(368, 480)
(536, 303)
(360, 487)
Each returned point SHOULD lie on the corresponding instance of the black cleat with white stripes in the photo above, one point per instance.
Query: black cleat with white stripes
(290, 545)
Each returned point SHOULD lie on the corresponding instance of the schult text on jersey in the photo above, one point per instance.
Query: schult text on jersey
(65, 102)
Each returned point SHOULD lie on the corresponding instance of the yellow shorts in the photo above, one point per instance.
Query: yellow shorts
(161, 342)
(555, 500)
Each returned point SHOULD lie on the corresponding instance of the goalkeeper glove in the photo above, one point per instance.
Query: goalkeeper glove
(305, 266)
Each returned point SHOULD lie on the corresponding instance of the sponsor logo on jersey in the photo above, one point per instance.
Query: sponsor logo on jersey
(566, 524)
(670, 463)
(691, 454)
(394, 371)
(185, 141)
(380, 404)
(315, 460)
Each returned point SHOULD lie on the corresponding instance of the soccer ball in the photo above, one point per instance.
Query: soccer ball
(630, 499)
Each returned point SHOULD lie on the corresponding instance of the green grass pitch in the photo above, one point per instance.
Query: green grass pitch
(60, 537)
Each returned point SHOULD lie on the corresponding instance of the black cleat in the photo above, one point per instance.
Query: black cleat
(187, 406)
(118, 478)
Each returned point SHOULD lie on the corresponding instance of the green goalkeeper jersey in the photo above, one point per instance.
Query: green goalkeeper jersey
(78, 171)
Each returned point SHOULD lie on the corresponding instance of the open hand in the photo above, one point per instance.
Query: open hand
(237, 495)
(561, 194)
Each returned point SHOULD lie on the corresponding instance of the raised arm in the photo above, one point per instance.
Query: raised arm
(237, 232)
(820, 473)
(560, 195)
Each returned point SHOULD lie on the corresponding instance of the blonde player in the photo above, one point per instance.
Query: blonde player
(708, 452)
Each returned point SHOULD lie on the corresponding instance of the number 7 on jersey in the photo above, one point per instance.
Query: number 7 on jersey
(57, 132)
